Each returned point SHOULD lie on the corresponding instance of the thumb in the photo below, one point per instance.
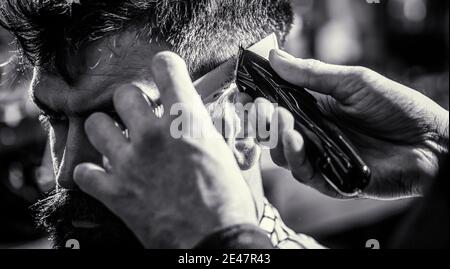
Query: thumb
(314, 75)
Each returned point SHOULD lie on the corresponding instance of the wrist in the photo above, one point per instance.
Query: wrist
(185, 233)
(230, 217)
(243, 236)
(193, 238)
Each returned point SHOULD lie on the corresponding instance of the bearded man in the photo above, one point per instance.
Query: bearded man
(82, 51)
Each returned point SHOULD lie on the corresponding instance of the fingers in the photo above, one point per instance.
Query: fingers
(312, 74)
(287, 147)
(174, 83)
(301, 167)
(94, 181)
(134, 110)
(286, 123)
(295, 153)
(104, 135)
(260, 118)
(271, 126)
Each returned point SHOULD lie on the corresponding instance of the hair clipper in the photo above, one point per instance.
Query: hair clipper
(326, 146)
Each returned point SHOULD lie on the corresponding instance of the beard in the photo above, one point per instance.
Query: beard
(59, 212)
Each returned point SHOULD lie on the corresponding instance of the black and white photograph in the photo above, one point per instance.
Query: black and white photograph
(227, 125)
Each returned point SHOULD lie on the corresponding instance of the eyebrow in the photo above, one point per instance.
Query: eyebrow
(112, 78)
(102, 104)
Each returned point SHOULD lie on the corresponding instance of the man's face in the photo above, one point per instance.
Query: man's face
(97, 72)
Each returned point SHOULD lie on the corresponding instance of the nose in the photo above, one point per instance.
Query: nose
(77, 150)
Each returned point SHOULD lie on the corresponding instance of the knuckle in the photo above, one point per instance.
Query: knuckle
(358, 72)
(149, 135)
(310, 70)
(313, 65)
(150, 139)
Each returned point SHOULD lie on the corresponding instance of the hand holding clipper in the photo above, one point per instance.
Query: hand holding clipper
(326, 146)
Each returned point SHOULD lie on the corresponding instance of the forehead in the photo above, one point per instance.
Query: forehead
(122, 56)
(101, 67)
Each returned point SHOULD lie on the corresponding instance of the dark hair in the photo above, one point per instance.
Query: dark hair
(204, 32)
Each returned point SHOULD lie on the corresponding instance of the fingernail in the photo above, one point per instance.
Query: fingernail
(283, 54)
(78, 172)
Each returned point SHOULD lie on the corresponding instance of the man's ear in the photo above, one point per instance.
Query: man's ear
(245, 149)
(235, 127)
(247, 153)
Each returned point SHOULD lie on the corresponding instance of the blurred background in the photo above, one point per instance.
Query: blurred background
(406, 40)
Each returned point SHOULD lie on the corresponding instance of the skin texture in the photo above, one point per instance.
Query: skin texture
(66, 107)
(400, 133)
(107, 65)
(184, 196)
(142, 185)
(101, 69)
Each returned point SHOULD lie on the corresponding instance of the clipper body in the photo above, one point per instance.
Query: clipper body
(326, 146)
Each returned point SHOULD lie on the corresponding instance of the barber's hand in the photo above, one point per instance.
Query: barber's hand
(399, 132)
(170, 192)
